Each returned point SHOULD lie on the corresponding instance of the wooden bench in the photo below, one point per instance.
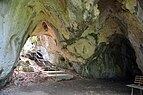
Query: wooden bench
(138, 84)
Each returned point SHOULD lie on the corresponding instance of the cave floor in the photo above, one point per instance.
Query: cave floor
(70, 87)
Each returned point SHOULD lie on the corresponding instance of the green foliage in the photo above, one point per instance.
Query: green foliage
(33, 39)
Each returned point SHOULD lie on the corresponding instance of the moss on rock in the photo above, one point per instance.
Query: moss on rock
(82, 48)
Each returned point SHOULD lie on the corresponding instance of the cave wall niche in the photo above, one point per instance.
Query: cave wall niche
(116, 60)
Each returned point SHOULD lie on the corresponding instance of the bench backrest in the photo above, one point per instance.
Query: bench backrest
(139, 80)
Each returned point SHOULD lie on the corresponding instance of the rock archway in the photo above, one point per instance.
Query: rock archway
(81, 25)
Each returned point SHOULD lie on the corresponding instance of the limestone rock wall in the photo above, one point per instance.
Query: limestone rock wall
(19, 18)
(80, 27)
(117, 18)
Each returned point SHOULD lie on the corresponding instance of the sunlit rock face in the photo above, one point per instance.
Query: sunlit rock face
(105, 36)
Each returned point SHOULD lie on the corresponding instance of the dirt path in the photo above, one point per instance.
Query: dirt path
(71, 87)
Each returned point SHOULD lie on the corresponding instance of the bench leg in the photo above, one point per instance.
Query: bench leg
(141, 92)
(132, 92)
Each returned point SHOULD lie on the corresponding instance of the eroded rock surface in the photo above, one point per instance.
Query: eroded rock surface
(80, 30)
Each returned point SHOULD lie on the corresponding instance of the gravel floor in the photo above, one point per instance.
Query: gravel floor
(71, 87)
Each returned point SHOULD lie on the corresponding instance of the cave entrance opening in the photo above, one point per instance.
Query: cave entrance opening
(40, 54)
